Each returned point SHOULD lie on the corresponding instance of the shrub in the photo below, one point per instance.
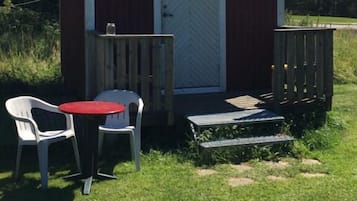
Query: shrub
(29, 49)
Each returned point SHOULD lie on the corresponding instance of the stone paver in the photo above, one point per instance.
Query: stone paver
(234, 182)
(278, 165)
(310, 162)
(206, 172)
(241, 167)
(312, 175)
(276, 178)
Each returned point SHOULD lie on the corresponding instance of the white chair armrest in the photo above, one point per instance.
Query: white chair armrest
(54, 108)
(32, 123)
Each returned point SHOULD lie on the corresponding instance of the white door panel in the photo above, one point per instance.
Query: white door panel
(197, 30)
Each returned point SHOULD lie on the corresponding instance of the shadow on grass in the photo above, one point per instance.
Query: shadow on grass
(27, 189)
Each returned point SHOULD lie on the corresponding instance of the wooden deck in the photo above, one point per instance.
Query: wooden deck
(189, 104)
(220, 102)
(301, 75)
(208, 103)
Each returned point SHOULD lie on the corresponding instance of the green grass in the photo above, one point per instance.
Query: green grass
(325, 19)
(171, 175)
(345, 59)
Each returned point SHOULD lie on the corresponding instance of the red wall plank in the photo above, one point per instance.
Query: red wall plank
(72, 46)
(130, 16)
(250, 41)
(250, 37)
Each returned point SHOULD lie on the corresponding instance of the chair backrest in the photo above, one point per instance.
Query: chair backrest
(21, 107)
(127, 98)
(21, 110)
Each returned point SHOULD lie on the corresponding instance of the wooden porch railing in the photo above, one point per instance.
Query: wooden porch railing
(141, 63)
(303, 65)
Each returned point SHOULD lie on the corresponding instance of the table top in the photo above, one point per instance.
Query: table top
(91, 107)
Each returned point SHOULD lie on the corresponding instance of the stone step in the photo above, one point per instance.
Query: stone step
(262, 140)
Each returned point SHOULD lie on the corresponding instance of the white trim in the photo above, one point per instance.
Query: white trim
(89, 25)
(157, 17)
(280, 13)
(89, 14)
(223, 46)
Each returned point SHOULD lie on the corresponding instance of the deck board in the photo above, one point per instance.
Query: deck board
(248, 141)
(218, 102)
(253, 116)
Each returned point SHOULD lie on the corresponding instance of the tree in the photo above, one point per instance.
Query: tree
(346, 8)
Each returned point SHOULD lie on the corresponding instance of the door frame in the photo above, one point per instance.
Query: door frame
(222, 32)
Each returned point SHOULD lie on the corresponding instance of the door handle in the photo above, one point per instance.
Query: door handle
(165, 14)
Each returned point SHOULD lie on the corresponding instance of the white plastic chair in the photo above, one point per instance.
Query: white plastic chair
(20, 109)
(120, 123)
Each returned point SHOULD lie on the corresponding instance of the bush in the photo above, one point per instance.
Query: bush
(29, 49)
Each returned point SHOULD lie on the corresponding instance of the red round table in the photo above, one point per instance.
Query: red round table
(93, 113)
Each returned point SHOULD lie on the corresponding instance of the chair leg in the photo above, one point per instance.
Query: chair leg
(76, 153)
(42, 150)
(18, 159)
(138, 148)
(137, 140)
(137, 159)
(134, 151)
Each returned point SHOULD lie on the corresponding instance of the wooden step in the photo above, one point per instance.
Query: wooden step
(237, 118)
(248, 141)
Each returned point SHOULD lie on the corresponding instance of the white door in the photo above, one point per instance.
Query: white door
(199, 29)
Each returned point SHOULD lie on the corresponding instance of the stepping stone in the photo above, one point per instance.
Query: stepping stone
(277, 165)
(241, 167)
(312, 175)
(276, 178)
(234, 182)
(205, 172)
(310, 162)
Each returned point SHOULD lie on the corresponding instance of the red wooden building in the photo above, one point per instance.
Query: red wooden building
(220, 45)
(201, 46)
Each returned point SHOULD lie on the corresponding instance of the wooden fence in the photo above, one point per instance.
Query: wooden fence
(141, 63)
(303, 65)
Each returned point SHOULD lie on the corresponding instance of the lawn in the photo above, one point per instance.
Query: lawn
(322, 19)
(168, 175)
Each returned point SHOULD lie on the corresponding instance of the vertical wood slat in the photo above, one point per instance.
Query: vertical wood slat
(142, 63)
(277, 68)
(310, 51)
(329, 69)
(274, 76)
(310, 60)
(145, 80)
(156, 100)
(100, 63)
(169, 78)
(122, 78)
(300, 74)
(109, 64)
(291, 62)
(320, 48)
(133, 64)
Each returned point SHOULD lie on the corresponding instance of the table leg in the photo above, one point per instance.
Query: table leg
(89, 152)
(87, 185)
